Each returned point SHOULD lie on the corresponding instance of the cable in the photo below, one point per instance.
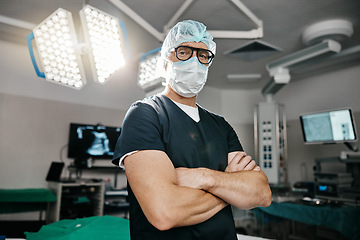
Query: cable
(61, 150)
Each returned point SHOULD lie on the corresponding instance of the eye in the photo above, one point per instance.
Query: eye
(204, 55)
(183, 51)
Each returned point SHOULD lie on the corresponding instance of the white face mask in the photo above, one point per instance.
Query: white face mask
(187, 78)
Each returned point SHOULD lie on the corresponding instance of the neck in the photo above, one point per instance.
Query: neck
(170, 93)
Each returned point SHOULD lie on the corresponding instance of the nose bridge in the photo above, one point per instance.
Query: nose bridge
(194, 52)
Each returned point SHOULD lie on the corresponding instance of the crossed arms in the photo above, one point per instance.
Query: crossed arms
(172, 197)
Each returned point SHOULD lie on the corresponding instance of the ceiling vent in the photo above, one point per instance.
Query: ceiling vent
(253, 50)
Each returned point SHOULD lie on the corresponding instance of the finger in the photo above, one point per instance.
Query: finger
(233, 165)
(244, 162)
(257, 169)
(241, 165)
(237, 158)
(251, 165)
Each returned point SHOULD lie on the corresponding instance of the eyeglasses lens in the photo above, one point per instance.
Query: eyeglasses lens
(184, 53)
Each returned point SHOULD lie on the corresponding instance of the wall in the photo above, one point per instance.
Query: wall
(210, 98)
(334, 89)
(33, 133)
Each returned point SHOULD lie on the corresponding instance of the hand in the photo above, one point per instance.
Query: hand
(241, 162)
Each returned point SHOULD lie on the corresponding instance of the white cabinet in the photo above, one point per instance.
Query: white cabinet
(76, 200)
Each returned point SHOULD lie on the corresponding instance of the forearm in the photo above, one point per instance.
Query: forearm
(165, 203)
(187, 206)
(242, 189)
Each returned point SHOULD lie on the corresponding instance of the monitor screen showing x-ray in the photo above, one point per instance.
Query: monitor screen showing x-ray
(92, 141)
(329, 127)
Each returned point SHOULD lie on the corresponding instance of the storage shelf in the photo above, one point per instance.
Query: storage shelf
(67, 193)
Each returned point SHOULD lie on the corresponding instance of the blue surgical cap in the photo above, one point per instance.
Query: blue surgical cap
(187, 31)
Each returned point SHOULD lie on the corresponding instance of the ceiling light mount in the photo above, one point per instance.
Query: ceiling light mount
(251, 34)
(334, 29)
(279, 69)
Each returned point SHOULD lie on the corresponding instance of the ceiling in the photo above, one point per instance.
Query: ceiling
(283, 24)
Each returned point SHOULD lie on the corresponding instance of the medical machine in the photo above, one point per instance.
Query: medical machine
(270, 141)
(330, 127)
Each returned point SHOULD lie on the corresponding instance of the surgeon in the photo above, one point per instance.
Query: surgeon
(185, 165)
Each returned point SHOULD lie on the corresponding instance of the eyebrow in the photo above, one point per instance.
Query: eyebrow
(192, 46)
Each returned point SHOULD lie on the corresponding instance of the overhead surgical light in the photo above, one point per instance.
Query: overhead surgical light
(336, 29)
(56, 40)
(102, 32)
(148, 78)
(60, 52)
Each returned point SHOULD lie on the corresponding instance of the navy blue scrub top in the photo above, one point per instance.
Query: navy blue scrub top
(157, 123)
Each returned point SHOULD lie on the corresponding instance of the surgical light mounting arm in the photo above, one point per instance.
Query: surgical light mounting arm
(279, 69)
(251, 34)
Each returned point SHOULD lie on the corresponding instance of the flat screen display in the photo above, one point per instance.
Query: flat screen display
(329, 127)
(92, 141)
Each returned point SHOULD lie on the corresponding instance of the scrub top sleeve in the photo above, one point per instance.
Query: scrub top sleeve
(141, 130)
(233, 140)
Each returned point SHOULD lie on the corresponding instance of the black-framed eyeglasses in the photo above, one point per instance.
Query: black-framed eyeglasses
(184, 53)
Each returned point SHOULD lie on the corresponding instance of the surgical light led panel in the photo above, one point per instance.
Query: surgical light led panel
(56, 40)
(102, 32)
(148, 76)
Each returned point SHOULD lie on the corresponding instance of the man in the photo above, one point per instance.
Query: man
(185, 166)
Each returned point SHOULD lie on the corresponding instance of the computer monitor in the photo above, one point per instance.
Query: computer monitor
(55, 170)
(92, 141)
(333, 126)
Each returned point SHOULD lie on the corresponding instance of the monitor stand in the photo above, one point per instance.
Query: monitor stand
(351, 146)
